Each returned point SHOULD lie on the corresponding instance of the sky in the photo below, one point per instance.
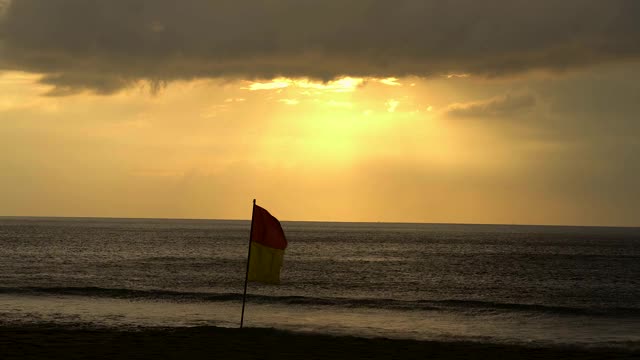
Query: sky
(462, 111)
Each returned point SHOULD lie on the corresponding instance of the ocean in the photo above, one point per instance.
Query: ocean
(537, 285)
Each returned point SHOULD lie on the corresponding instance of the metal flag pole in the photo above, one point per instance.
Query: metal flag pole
(246, 276)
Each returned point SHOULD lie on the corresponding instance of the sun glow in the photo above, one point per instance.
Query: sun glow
(317, 138)
(350, 121)
(291, 131)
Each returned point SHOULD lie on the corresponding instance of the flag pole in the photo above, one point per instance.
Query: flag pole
(246, 276)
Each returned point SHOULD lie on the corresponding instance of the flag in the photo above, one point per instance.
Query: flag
(267, 247)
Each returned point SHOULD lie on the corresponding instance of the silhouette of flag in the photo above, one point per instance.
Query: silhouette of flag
(267, 247)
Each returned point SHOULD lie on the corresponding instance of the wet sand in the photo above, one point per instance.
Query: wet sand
(55, 342)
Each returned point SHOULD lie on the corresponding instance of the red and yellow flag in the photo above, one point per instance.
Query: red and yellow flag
(267, 247)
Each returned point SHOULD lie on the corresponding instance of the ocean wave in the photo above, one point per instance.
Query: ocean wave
(454, 305)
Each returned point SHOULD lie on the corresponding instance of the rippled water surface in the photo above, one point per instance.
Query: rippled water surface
(574, 285)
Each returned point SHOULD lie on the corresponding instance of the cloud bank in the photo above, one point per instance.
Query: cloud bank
(104, 46)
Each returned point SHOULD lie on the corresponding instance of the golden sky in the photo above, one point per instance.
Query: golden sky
(536, 132)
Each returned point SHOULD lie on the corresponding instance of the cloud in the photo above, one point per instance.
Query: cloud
(392, 105)
(453, 76)
(390, 81)
(104, 46)
(4, 5)
(507, 105)
(290, 101)
(339, 104)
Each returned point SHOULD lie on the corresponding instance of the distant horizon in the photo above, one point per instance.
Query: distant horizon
(317, 221)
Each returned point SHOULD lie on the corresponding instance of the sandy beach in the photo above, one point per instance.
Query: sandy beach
(54, 342)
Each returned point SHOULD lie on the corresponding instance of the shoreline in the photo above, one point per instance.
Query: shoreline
(54, 341)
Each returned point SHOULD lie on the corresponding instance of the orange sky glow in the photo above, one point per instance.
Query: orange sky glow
(403, 134)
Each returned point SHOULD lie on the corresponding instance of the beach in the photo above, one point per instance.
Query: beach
(54, 342)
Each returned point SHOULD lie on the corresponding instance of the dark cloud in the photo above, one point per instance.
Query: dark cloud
(106, 45)
(507, 105)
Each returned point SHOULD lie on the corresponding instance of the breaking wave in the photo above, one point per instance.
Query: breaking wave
(391, 304)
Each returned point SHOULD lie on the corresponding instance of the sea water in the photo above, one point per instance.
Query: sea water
(492, 283)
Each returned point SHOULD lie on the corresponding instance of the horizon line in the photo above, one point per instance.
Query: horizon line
(314, 221)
